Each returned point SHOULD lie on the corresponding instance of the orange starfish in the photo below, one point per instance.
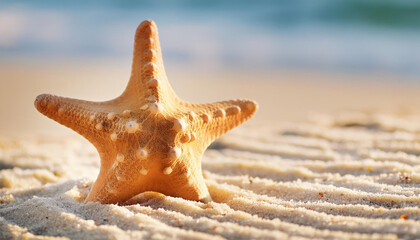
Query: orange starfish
(147, 138)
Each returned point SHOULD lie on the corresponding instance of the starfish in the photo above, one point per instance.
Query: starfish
(147, 138)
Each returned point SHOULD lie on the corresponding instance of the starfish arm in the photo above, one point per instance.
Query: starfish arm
(214, 119)
(84, 117)
(148, 78)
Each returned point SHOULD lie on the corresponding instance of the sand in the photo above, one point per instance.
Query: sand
(349, 176)
(283, 95)
(350, 171)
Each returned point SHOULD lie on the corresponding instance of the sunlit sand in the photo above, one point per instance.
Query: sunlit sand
(324, 158)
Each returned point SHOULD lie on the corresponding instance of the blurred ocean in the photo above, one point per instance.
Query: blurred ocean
(374, 36)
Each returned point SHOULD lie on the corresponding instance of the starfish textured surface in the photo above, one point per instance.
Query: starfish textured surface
(147, 138)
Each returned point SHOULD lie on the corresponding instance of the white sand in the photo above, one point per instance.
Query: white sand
(343, 176)
(337, 176)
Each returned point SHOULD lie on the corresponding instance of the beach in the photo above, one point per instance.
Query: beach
(328, 156)
(283, 95)
(333, 151)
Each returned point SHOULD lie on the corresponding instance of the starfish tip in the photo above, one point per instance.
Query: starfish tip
(40, 100)
(43, 102)
(251, 106)
(148, 22)
(145, 26)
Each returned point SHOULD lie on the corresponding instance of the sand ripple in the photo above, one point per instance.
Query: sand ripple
(349, 176)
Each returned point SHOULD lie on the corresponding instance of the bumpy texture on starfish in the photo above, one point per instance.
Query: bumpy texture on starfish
(147, 138)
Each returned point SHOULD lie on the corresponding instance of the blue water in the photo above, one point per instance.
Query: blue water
(378, 36)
